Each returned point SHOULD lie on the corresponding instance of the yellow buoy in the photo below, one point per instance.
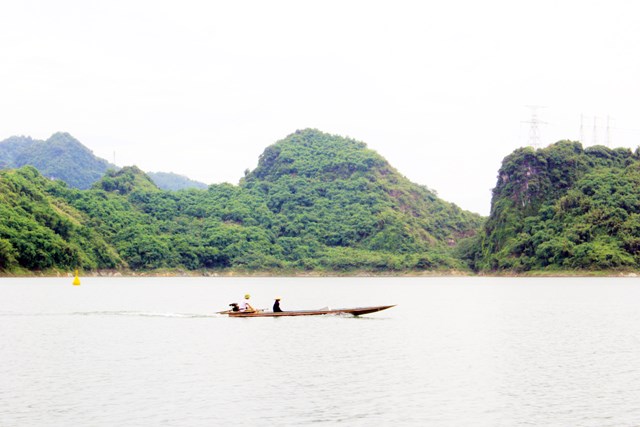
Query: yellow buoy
(76, 280)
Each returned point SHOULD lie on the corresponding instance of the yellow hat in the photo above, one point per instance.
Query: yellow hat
(247, 296)
(277, 298)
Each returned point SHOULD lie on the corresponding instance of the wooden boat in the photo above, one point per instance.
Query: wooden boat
(358, 311)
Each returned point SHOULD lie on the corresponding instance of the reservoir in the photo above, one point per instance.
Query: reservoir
(454, 352)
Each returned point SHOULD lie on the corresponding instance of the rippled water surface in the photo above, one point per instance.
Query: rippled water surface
(454, 352)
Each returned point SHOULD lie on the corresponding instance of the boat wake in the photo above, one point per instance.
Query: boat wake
(140, 314)
(113, 313)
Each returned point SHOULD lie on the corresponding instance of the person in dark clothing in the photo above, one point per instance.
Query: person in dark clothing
(276, 306)
(234, 306)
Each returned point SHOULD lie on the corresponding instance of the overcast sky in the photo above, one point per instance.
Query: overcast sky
(440, 89)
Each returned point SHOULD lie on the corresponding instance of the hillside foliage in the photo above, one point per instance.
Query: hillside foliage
(315, 202)
(563, 208)
(39, 232)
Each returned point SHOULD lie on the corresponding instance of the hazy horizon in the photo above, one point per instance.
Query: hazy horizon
(440, 90)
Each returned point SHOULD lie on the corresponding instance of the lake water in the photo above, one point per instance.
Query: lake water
(454, 352)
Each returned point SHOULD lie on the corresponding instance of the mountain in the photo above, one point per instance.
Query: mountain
(13, 148)
(339, 193)
(563, 207)
(174, 182)
(59, 157)
(64, 157)
(315, 202)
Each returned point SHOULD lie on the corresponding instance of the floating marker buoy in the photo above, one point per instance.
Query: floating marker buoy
(76, 280)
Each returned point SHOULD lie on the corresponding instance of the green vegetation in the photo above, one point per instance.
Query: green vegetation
(316, 202)
(562, 208)
(60, 157)
(125, 181)
(39, 232)
(326, 204)
(63, 157)
(335, 192)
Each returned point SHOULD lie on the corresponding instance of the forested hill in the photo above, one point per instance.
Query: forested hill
(315, 203)
(563, 207)
(337, 191)
(40, 231)
(59, 157)
(64, 157)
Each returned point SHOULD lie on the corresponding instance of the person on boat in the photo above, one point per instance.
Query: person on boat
(234, 306)
(245, 305)
(276, 306)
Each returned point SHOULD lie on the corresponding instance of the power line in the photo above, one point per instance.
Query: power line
(534, 128)
(598, 136)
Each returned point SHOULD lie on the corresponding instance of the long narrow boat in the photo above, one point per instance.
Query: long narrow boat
(353, 311)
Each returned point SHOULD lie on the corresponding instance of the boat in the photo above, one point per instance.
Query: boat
(358, 311)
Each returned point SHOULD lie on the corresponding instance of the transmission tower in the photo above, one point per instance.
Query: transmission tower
(534, 128)
(595, 130)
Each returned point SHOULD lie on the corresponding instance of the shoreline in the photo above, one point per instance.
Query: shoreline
(315, 274)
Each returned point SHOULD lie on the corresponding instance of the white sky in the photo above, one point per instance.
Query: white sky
(440, 89)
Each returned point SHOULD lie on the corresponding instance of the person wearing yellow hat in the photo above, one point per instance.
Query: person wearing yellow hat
(276, 306)
(245, 305)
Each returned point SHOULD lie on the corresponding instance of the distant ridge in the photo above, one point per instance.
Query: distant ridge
(60, 157)
(173, 181)
(63, 157)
